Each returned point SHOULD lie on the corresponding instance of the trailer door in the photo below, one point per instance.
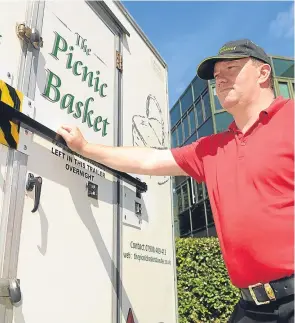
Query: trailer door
(67, 249)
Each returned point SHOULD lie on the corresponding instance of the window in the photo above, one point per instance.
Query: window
(186, 203)
(184, 223)
(283, 67)
(284, 90)
(185, 128)
(173, 184)
(205, 191)
(209, 212)
(192, 121)
(198, 191)
(175, 115)
(223, 120)
(198, 217)
(212, 231)
(179, 180)
(180, 136)
(199, 109)
(199, 86)
(207, 106)
(186, 100)
(206, 129)
(179, 200)
(217, 104)
(174, 139)
(193, 138)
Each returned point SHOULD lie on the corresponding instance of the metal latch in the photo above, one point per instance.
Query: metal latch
(10, 288)
(29, 35)
(34, 182)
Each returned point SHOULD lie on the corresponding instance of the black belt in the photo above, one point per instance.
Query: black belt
(269, 292)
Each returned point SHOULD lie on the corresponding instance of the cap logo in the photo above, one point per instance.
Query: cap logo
(226, 49)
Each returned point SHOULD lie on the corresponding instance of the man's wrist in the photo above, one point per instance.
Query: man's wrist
(84, 151)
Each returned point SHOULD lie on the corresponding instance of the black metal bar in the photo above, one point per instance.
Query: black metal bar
(8, 113)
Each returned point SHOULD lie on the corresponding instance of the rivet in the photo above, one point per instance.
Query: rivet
(8, 75)
(25, 147)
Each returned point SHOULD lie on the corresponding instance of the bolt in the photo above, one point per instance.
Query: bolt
(8, 75)
(30, 103)
(25, 147)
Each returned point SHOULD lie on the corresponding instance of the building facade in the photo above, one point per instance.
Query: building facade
(198, 113)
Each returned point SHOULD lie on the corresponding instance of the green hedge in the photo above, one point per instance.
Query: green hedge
(205, 293)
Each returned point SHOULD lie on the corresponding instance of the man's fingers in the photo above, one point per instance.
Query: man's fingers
(64, 133)
(66, 127)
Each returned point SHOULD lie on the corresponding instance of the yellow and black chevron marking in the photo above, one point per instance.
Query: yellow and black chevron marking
(9, 131)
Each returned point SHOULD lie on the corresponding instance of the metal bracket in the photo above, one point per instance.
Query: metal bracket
(132, 207)
(6, 76)
(119, 61)
(10, 287)
(25, 135)
(92, 190)
(29, 35)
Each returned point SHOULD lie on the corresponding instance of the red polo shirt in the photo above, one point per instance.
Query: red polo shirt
(250, 181)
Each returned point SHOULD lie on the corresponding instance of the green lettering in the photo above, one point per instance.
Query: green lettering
(69, 104)
(87, 114)
(96, 82)
(75, 72)
(56, 48)
(101, 90)
(70, 57)
(78, 113)
(50, 85)
(97, 120)
(105, 124)
(85, 74)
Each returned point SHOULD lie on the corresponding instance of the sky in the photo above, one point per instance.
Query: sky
(186, 32)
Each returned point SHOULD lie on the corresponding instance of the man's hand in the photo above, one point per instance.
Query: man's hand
(73, 137)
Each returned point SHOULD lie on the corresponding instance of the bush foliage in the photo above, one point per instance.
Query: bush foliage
(205, 293)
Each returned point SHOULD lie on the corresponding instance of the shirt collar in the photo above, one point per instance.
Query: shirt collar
(270, 111)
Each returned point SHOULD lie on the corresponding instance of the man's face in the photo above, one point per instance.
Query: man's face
(236, 82)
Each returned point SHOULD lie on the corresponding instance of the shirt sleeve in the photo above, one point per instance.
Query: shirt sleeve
(190, 159)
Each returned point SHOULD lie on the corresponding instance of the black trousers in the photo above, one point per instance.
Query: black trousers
(281, 311)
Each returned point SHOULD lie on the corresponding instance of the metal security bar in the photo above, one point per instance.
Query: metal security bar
(9, 114)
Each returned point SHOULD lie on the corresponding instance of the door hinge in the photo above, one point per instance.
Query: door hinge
(119, 61)
(28, 35)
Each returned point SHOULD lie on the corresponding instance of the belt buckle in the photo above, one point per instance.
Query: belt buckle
(269, 292)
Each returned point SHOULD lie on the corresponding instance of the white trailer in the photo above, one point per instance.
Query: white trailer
(80, 242)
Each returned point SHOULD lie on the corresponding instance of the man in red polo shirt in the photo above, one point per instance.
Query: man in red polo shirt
(249, 173)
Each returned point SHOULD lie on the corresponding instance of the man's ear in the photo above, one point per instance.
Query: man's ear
(265, 72)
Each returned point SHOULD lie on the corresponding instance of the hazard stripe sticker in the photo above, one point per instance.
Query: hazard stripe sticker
(9, 131)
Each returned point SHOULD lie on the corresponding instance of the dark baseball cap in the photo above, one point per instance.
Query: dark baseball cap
(232, 50)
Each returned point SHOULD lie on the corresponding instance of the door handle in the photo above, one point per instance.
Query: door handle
(10, 288)
(35, 182)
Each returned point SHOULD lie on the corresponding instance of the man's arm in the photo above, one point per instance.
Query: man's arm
(137, 160)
